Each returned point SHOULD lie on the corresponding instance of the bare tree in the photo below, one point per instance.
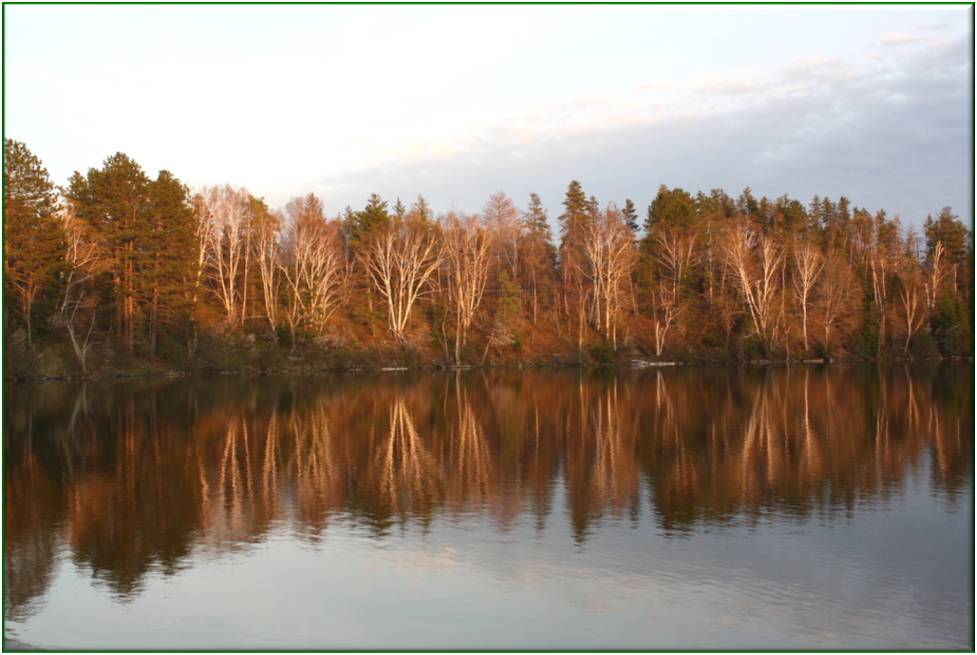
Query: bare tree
(609, 247)
(913, 306)
(314, 267)
(674, 255)
(401, 261)
(756, 275)
(467, 255)
(85, 259)
(835, 294)
(203, 227)
(934, 280)
(26, 285)
(808, 264)
(879, 272)
(268, 259)
(226, 214)
(876, 248)
(502, 219)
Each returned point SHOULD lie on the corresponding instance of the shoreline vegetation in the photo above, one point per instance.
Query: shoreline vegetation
(373, 363)
(118, 274)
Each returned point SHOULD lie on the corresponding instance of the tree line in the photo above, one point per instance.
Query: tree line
(120, 263)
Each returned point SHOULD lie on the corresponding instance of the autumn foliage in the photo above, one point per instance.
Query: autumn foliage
(117, 268)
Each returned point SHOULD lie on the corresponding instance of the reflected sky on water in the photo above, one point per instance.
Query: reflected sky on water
(681, 508)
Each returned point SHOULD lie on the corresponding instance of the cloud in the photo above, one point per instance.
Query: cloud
(890, 129)
(899, 39)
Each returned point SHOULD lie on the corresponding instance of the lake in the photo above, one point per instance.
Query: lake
(687, 507)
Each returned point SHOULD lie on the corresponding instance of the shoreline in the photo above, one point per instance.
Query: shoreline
(634, 364)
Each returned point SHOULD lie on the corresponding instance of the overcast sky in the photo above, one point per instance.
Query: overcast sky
(457, 102)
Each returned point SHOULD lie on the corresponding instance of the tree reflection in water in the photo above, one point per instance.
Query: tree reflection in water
(136, 477)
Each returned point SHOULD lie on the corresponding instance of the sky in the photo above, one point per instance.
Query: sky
(458, 102)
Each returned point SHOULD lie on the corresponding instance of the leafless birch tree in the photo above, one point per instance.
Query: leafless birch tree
(227, 214)
(936, 274)
(401, 262)
(85, 259)
(467, 255)
(609, 246)
(268, 260)
(674, 256)
(314, 268)
(808, 264)
(756, 260)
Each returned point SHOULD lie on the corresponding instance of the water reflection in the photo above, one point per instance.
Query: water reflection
(131, 478)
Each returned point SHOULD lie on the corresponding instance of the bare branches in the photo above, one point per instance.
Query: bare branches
(609, 246)
(85, 259)
(225, 227)
(756, 260)
(467, 255)
(912, 309)
(316, 272)
(401, 262)
(808, 264)
(674, 256)
(937, 272)
(268, 258)
(502, 220)
(835, 294)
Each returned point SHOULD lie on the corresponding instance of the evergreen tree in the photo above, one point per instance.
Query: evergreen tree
(746, 204)
(535, 219)
(573, 216)
(367, 222)
(308, 208)
(33, 239)
(948, 229)
(422, 210)
(115, 201)
(673, 208)
(170, 255)
(539, 256)
(573, 223)
(630, 215)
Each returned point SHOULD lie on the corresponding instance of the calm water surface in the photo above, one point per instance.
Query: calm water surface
(681, 508)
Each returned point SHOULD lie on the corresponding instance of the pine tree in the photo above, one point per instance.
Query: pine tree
(367, 222)
(746, 204)
(573, 222)
(539, 256)
(573, 217)
(671, 207)
(114, 200)
(535, 219)
(33, 239)
(947, 229)
(170, 256)
(421, 210)
(630, 215)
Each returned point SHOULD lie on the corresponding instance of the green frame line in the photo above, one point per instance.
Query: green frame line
(503, 2)
(449, 3)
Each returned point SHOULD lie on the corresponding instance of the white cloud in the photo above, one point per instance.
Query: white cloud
(462, 101)
(887, 131)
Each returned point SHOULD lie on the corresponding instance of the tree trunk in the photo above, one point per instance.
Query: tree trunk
(28, 307)
(458, 343)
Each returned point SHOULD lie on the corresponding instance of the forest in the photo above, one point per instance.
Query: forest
(120, 273)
